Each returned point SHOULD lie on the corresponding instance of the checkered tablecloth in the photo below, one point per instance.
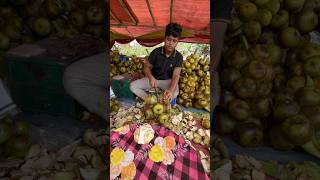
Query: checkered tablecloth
(187, 164)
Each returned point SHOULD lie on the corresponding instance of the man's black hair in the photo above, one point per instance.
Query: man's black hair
(173, 29)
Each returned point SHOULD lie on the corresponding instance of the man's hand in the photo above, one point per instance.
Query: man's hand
(153, 82)
(168, 94)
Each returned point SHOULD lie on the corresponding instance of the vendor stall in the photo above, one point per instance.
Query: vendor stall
(155, 138)
(145, 20)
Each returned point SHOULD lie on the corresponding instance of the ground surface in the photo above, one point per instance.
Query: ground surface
(54, 132)
(268, 153)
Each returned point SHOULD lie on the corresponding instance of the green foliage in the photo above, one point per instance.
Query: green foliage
(185, 49)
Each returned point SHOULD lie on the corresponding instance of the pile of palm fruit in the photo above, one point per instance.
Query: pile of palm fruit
(270, 74)
(118, 67)
(194, 83)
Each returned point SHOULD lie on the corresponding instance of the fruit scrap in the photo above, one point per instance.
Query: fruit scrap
(176, 119)
(126, 115)
(205, 123)
(189, 135)
(123, 130)
(197, 138)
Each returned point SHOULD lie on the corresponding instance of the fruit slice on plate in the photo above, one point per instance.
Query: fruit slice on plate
(156, 153)
(128, 158)
(117, 156)
(144, 134)
(159, 141)
(129, 171)
(123, 130)
(169, 142)
(168, 157)
(115, 171)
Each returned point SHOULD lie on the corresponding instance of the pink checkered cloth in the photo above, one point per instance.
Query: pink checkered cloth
(187, 164)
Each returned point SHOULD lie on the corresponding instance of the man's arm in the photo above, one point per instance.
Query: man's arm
(220, 16)
(175, 79)
(219, 30)
(219, 22)
(147, 71)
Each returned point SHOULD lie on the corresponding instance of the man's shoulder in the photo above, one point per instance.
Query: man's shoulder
(178, 54)
(158, 49)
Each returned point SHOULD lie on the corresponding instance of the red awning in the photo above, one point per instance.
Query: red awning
(136, 18)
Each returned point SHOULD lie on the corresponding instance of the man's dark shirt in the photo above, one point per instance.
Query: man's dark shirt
(221, 9)
(162, 66)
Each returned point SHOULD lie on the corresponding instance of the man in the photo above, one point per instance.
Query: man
(163, 66)
(220, 16)
(86, 81)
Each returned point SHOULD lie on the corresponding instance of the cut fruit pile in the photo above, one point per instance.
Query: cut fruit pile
(192, 129)
(195, 129)
(127, 115)
(121, 163)
(162, 150)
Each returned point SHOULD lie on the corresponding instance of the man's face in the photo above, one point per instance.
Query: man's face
(170, 43)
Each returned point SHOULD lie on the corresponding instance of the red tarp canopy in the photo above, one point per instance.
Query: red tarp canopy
(137, 18)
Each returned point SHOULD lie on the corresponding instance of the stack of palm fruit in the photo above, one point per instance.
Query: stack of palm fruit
(270, 75)
(118, 67)
(194, 84)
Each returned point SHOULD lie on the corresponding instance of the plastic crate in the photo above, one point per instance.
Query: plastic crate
(51, 101)
(121, 88)
(36, 85)
(36, 71)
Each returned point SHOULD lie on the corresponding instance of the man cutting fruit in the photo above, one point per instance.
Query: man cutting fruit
(162, 68)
